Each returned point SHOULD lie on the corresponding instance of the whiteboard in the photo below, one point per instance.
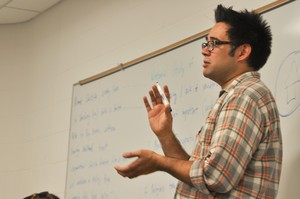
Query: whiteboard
(108, 115)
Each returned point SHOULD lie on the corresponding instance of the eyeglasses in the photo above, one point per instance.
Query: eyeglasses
(212, 44)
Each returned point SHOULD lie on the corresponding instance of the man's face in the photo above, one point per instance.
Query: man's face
(218, 65)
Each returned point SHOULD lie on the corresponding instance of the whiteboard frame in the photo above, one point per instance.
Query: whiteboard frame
(120, 67)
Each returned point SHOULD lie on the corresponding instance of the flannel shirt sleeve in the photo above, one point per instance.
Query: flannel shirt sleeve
(237, 133)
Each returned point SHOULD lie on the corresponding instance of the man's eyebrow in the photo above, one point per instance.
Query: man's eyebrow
(211, 38)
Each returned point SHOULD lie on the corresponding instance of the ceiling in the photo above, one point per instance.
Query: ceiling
(18, 11)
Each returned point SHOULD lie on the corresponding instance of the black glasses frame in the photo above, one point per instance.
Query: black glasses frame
(212, 44)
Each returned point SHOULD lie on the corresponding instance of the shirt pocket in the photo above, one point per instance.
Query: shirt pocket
(207, 131)
(206, 135)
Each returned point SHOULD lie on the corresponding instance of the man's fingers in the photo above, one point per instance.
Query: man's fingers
(167, 92)
(132, 154)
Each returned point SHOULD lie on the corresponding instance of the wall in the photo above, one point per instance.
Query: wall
(13, 104)
(43, 58)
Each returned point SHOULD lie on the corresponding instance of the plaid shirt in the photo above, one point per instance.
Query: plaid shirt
(239, 149)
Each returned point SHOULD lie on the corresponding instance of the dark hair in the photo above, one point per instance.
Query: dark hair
(247, 27)
(42, 195)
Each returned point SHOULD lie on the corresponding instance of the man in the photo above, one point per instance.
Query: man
(238, 153)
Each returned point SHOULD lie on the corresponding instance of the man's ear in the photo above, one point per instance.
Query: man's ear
(243, 52)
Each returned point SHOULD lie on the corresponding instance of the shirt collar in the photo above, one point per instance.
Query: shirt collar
(235, 82)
